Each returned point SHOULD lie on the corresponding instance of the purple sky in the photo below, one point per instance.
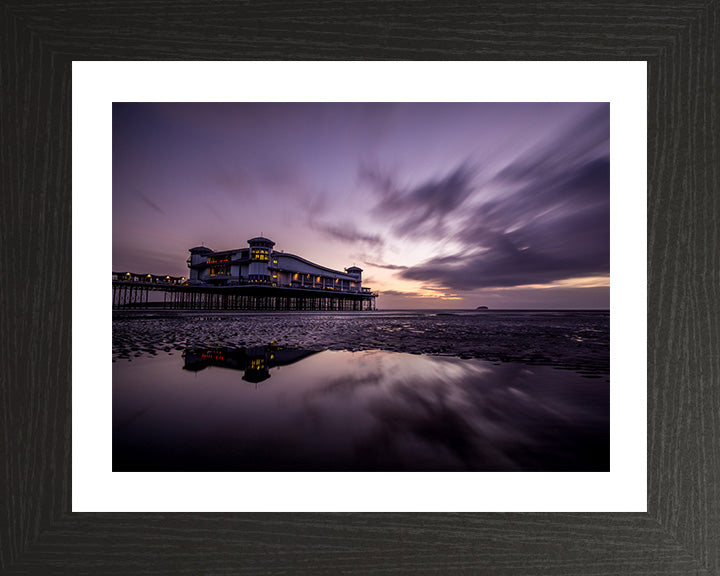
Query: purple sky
(443, 205)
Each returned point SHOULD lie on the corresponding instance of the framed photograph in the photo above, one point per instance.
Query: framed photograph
(396, 370)
(88, 490)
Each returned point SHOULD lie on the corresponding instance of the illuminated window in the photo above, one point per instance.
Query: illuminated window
(260, 254)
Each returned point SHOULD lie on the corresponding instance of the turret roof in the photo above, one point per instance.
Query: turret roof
(260, 239)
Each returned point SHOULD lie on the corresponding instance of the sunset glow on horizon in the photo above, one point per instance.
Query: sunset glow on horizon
(443, 205)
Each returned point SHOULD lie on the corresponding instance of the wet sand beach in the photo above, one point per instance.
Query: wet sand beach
(572, 340)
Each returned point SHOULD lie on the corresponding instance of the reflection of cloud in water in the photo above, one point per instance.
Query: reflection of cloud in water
(424, 405)
(374, 410)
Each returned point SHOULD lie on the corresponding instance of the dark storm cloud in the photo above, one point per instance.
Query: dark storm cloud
(549, 222)
(421, 209)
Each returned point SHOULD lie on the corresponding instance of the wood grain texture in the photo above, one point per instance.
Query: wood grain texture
(681, 532)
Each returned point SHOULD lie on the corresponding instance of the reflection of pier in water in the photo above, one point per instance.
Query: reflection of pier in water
(255, 361)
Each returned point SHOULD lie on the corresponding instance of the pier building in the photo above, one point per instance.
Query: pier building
(253, 278)
(259, 264)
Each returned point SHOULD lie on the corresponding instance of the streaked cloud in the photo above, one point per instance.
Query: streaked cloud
(548, 222)
(420, 210)
(387, 266)
(347, 233)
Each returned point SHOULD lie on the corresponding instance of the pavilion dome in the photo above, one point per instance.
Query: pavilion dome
(261, 240)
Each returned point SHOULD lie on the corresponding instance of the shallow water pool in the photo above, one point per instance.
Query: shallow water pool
(268, 408)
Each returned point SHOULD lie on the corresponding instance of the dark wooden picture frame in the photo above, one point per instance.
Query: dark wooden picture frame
(680, 533)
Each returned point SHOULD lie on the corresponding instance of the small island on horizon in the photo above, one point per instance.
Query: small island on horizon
(481, 308)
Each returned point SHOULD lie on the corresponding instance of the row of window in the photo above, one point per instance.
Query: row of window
(148, 279)
(319, 279)
(258, 279)
(260, 254)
